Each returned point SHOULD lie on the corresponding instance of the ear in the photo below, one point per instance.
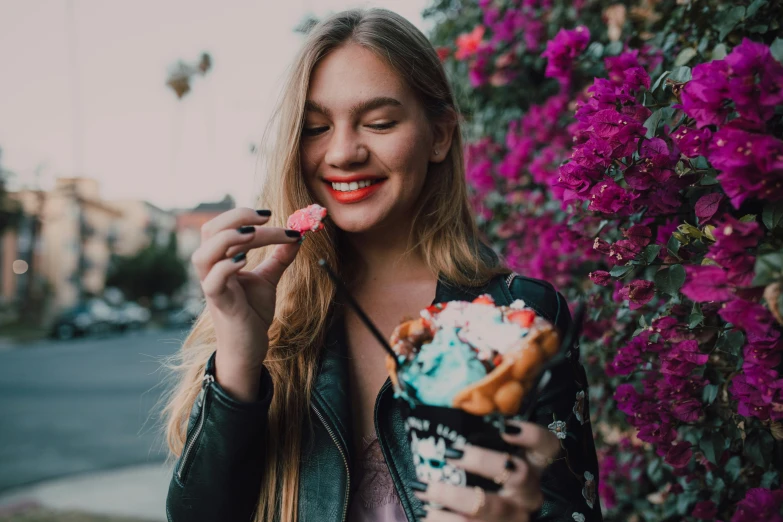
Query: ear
(442, 134)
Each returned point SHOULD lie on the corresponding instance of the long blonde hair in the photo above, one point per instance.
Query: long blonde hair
(443, 232)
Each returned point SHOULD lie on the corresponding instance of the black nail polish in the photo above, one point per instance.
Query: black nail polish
(239, 257)
(418, 486)
(453, 453)
(512, 429)
(293, 233)
(264, 213)
(510, 465)
(246, 229)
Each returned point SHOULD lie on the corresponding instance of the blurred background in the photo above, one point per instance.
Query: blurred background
(124, 126)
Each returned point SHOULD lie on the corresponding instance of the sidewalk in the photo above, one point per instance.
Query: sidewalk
(134, 494)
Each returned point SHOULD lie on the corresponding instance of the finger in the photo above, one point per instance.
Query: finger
(472, 502)
(215, 283)
(272, 268)
(509, 471)
(216, 248)
(233, 218)
(541, 445)
(264, 236)
(438, 515)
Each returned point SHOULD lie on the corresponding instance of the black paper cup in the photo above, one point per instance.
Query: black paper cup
(432, 430)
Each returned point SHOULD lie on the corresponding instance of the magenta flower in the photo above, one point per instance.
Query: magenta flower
(600, 277)
(733, 238)
(638, 292)
(706, 283)
(750, 165)
(755, 100)
(703, 98)
(610, 198)
(691, 141)
(561, 52)
(705, 510)
(679, 455)
(759, 504)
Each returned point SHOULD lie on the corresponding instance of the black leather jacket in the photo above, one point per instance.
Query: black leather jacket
(218, 475)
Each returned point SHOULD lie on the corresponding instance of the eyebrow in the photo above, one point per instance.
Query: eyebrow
(367, 105)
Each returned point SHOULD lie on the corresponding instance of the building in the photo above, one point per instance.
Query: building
(189, 223)
(142, 224)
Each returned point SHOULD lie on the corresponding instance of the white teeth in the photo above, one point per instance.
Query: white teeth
(354, 185)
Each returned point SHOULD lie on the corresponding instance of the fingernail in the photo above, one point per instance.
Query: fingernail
(239, 257)
(417, 486)
(453, 453)
(246, 229)
(264, 213)
(421, 512)
(293, 233)
(512, 429)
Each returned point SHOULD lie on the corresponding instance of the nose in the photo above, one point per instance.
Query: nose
(345, 148)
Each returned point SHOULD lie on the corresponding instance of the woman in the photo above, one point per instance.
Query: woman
(278, 413)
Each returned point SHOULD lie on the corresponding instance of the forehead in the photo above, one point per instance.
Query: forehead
(350, 74)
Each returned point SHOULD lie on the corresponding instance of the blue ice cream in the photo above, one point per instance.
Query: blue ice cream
(442, 368)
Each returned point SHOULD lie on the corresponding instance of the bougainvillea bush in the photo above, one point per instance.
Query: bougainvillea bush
(631, 154)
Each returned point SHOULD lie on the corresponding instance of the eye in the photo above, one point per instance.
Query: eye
(313, 131)
(383, 126)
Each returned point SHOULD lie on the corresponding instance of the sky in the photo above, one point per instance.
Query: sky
(82, 91)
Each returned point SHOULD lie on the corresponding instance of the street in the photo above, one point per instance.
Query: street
(83, 405)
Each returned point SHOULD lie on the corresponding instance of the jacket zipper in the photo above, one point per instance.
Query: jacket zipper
(386, 455)
(208, 379)
(342, 454)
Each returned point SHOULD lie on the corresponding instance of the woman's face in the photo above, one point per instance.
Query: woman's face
(366, 143)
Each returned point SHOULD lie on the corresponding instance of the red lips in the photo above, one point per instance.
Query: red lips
(353, 196)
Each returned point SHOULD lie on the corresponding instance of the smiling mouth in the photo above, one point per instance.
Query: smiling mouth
(353, 185)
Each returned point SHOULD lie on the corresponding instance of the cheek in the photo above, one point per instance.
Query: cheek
(409, 157)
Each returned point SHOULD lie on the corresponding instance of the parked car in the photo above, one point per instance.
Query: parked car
(89, 317)
(132, 316)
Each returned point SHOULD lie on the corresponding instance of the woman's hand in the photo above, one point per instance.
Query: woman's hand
(241, 303)
(520, 494)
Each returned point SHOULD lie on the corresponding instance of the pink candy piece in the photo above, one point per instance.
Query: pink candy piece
(308, 219)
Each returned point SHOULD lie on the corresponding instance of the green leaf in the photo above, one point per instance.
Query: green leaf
(777, 49)
(696, 317)
(769, 268)
(753, 7)
(659, 81)
(709, 393)
(733, 468)
(670, 279)
(620, 270)
(728, 19)
(772, 214)
(712, 445)
(613, 49)
(770, 479)
(651, 252)
(731, 342)
(748, 218)
(758, 447)
(719, 52)
(758, 28)
(685, 56)
(673, 246)
(681, 74)
(655, 119)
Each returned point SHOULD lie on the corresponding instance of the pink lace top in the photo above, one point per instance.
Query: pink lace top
(374, 498)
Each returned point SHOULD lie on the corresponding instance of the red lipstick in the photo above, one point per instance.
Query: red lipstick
(353, 196)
